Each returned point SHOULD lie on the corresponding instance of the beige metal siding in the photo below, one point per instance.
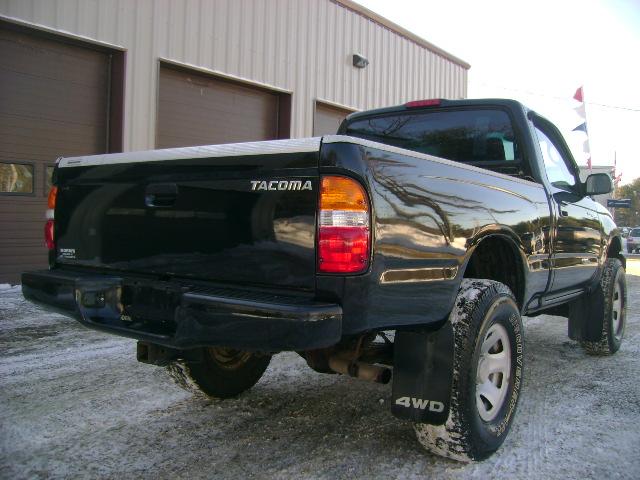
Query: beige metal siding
(303, 46)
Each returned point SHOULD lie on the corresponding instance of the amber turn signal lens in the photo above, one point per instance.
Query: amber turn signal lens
(342, 193)
(51, 200)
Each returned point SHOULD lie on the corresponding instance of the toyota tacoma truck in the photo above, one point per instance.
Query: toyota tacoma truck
(405, 248)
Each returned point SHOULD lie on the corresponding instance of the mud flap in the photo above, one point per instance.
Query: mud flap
(422, 375)
(586, 317)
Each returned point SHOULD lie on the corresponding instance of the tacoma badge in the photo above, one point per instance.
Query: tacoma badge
(280, 185)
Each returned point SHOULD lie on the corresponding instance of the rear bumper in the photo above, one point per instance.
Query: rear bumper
(183, 317)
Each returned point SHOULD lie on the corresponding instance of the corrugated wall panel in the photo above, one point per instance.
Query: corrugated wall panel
(303, 46)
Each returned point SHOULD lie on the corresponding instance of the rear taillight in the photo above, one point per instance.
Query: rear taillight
(344, 237)
(49, 227)
(49, 239)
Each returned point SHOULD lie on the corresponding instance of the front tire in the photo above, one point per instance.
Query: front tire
(220, 372)
(613, 285)
(487, 373)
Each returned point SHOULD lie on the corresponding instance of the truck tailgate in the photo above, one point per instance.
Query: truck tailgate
(242, 214)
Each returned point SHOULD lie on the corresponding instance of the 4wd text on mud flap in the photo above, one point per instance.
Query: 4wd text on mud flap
(420, 403)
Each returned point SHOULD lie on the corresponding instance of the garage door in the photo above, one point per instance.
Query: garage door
(53, 102)
(200, 109)
(327, 119)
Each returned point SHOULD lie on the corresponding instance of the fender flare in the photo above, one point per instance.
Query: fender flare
(504, 233)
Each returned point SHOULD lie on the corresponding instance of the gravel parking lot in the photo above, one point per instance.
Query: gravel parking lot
(75, 403)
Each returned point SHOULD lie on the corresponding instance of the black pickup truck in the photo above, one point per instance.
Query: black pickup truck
(407, 246)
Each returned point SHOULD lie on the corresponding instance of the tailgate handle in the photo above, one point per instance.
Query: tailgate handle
(161, 195)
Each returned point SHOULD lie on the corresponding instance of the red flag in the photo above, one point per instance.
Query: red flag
(578, 95)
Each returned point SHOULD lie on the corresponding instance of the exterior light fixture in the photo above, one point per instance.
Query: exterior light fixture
(359, 61)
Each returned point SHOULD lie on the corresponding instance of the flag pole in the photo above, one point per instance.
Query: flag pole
(589, 161)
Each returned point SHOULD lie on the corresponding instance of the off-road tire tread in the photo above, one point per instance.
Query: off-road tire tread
(452, 440)
(604, 346)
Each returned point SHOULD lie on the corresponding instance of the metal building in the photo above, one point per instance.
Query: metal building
(94, 76)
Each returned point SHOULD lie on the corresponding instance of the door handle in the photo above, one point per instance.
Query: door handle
(161, 195)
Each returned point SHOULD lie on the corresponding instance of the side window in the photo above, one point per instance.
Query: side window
(16, 178)
(557, 171)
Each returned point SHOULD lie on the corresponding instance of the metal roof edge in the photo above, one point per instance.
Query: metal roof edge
(384, 22)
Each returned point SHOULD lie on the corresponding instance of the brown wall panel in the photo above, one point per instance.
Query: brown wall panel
(53, 102)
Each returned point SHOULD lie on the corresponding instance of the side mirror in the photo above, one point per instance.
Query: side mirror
(598, 184)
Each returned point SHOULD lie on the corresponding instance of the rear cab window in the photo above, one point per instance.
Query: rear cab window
(480, 137)
(635, 232)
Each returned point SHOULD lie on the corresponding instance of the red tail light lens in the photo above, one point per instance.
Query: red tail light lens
(49, 227)
(343, 226)
(49, 238)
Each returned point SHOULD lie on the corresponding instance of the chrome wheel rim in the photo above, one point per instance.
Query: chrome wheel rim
(617, 311)
(493, 372)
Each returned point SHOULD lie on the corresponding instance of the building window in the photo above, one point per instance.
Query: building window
(16, 178)
(48, 178)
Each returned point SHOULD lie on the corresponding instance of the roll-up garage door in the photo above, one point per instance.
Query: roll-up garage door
(327, 119)
(199, 109)
(53, 102)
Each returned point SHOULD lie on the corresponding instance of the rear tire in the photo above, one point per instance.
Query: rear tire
(487, 373)
(221, 372)
(613, 285)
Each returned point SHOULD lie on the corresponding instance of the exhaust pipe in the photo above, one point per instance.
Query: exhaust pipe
(363, 371)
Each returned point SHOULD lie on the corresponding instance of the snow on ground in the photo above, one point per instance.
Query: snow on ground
(75, 403)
